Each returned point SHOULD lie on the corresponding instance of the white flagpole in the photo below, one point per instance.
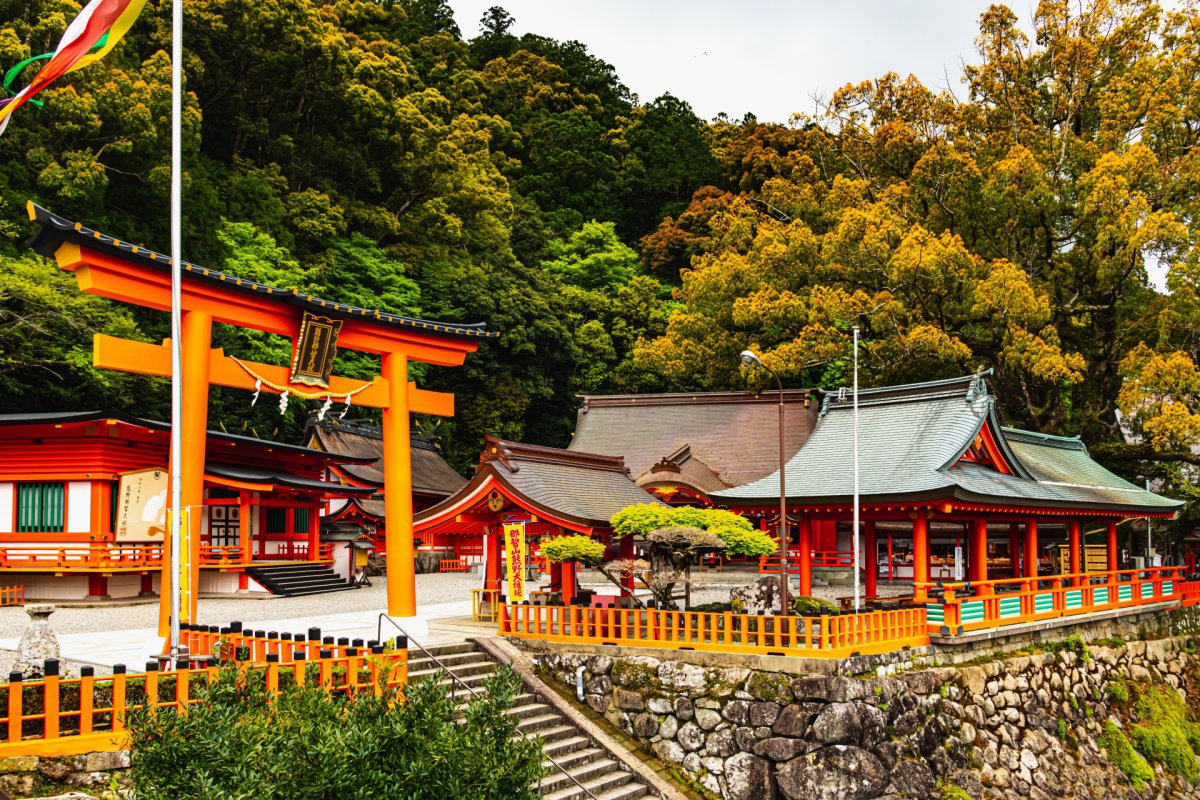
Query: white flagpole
(176, 313)
(854, 530)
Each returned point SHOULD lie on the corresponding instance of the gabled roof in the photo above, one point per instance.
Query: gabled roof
(734, 434)
(912, 440)
(580, 491)
(682, 467)
(54, 230)
(431, 475)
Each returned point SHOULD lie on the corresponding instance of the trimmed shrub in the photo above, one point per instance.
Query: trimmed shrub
(304, 744)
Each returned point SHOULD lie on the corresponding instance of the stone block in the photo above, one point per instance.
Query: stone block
(645, 726)
(792, 721)
(17, 764)
(684, 709)
(707, 719)
(668, 727)
(780, 748)
(668, 751)
(720, 743)
(913, 779)
(763, 714)
(690, 736)
(629, 701)
(737, 712)
(748, 777)
(849, 723)
(839, 772)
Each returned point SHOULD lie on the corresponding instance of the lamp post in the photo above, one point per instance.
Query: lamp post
(751, 359)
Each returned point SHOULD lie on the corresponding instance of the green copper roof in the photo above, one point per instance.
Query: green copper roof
(911, 439)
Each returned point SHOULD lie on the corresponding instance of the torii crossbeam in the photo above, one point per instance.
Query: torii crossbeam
(118, 270)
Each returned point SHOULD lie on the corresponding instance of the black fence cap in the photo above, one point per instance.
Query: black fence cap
(272, 658)
(343, 641)
(285, 636)
(351, 651)
(118, 669)
(314, 634)
(50, 667)
(15, 677)
(327, 640)
(376, 649)
(151, 666)
(235, 626)
(326, 653)
(87, 672)
(299, 655)
(401, 642)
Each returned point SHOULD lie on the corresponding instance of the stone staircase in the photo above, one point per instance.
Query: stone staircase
(603, 776)
(295, 580)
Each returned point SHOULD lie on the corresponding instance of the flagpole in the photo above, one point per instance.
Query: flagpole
(176, 313)
(854, 529)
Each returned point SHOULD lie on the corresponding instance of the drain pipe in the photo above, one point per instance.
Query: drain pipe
(579, 684)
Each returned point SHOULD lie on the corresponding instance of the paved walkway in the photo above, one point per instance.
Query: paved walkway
(94, 641)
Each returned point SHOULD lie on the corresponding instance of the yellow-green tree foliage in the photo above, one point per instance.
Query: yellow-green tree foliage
(740, 537)
(581, 549)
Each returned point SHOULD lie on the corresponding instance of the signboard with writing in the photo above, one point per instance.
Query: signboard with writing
(314, 350)
(142, 506)
(958, 563)
(514, 549)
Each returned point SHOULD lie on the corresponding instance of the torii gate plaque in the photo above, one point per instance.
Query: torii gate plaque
(118, 270)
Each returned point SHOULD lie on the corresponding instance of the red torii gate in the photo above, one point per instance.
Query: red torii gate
(117, 270)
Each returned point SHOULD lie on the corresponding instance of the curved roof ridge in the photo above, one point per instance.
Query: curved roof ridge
(1048, 439)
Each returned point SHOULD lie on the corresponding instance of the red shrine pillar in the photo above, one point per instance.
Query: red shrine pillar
(627, 553)
(491, 578)
(920, 535)
(1014, 549)
(871, 549)
(979, 567)
(1111, 530)
(314, 533)
(1073, 564)
(805, 526)
(569, 569)
(1032, 561)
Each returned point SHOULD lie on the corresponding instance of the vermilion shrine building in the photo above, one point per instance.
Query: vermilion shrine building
(935, 461)
(59, 483)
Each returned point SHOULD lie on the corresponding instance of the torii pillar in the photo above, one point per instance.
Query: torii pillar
(117, 270)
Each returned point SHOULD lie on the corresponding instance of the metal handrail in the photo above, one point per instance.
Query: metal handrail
(447, 670)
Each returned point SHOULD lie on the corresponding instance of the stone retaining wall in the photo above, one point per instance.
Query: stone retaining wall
(26, 776)
(993, 730)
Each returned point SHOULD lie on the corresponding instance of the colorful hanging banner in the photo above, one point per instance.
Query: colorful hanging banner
(514, 549)
(89, 37)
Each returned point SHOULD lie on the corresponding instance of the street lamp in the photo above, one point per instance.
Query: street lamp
(751, 359)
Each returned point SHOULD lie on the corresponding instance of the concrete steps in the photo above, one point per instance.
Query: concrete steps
(602, 775)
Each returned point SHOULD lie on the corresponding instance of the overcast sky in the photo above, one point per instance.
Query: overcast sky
(768, 57)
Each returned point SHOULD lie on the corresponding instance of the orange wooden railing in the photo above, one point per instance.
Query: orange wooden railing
(12, 595)
(1191, 593)
(1011, 601)
(83, 556)
(110, 556)
(453, 565)
(769, 565)
(813, 637)
(55, 716)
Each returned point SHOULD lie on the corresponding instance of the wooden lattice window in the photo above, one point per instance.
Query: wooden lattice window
(41, 507)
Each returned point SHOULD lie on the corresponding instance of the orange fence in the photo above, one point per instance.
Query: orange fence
(1014, 601)
(1191, 593)
(453, 565)
(55, 716)
(114, 557)
(814, 637)
(12, 595)
(225, 641)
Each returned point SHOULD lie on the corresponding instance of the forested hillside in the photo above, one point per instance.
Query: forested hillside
(372, 152)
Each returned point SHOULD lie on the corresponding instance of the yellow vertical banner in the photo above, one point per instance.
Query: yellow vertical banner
(514, 549)
(185, 564)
